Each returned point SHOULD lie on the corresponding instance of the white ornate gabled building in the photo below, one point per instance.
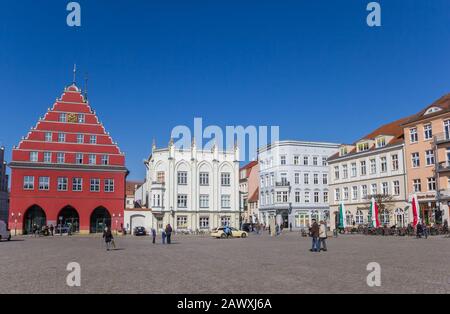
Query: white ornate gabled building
(192, 189)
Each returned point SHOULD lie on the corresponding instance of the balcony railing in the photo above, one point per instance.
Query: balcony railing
(282, 183)
(442, 138)
(444, 166)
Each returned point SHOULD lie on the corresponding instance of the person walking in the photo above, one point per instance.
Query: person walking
(169, 233)
(425, 230)
(419, 230)
(154, 235)
(163, 236)
(314, 233)
(107, 235)
(323, 236)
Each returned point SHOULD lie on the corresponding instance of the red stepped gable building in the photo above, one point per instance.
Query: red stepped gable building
(67, 170)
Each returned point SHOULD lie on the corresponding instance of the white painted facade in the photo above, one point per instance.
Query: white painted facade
(294, 182)
(138, 218)
(192, 189)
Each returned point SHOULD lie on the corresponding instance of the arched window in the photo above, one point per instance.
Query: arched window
(359, 218)
(349, 218)
(384, 217)
(400, 218)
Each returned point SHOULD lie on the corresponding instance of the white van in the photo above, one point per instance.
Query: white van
(5, 234)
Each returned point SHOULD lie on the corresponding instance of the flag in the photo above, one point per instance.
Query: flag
(374, 214)
(415, 210)
(342, 217)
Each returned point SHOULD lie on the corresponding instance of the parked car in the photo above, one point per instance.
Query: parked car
(246, 227)
(139, 231)
(220, 233)
(5, 234)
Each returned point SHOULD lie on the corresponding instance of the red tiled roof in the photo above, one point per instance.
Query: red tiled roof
(131, 187)
(249, 165)
(443, 103)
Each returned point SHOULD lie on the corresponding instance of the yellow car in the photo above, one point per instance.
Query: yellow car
(220, 233)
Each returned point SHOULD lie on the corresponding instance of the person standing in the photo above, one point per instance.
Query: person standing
(169, 233)
(314, 233)
(154, 235)
(52, 229)
(323, 236)
(163, 236)
(107, 235)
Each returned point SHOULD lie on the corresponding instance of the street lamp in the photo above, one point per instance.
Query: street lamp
(60, 225)
(15, 223)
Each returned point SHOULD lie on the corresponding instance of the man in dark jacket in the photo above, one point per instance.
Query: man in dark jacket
(314, 233)
(168, 233)
(107, 235)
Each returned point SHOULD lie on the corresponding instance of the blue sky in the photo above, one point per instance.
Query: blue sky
(312, 67)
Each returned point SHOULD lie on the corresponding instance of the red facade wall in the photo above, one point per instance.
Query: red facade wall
(53, 201)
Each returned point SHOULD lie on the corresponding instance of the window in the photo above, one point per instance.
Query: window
(354, 192)
(48, 136)
(306, 198)
(344, 172)
(345, 196)
(429, 157)
(156, 200)
(262, 182)
(81, 118)
(182, 177)
(394, 162)
(337, 195)
(296, 160)
(109, 185)
(28, 183)
(316, 197)
(285, 196)
(80, 139)
(336, 172)
(77, 184)
(349, 217)
(415, 160)
(182, 222)
(95, 185)
(61, 137)
(315, 161)
(431, 184)
(225, 221)
(373, 166)
(354, 171)
(297, 196)
(160, 177)
(62, 117)
(33, 156)
(79, 158)
(363, 146)
(383, 164)
(47, 157)
(359, 217)
(413, 135)
(384, 217)
(427, 132)
(225, 179)
(182, 201)
(325, 196)
(396, 187)
(297, 178)
(306, 178)
(225, 201)
(373, 189)
(60, 158)
(305, 160)
(325, 178)
(105, 160)
(282, 160)
(204, 201)
(62, 184)
(204, 222)
(381, 142)
(363, 168)
(324, 161)
(92, 159)
(93, 139)
(385, 188)
(204, 178)
(316, 178)
(364, 191)
(44, 183)
(417, 185)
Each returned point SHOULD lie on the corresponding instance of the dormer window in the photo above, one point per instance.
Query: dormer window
(433, 110)
(363, 146)
(381, 142)
(343, 151)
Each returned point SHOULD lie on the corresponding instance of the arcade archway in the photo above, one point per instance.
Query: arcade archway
(69, 218)
(34, 218)
(100, 218)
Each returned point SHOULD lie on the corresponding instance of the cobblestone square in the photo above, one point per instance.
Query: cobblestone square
(258, 264)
